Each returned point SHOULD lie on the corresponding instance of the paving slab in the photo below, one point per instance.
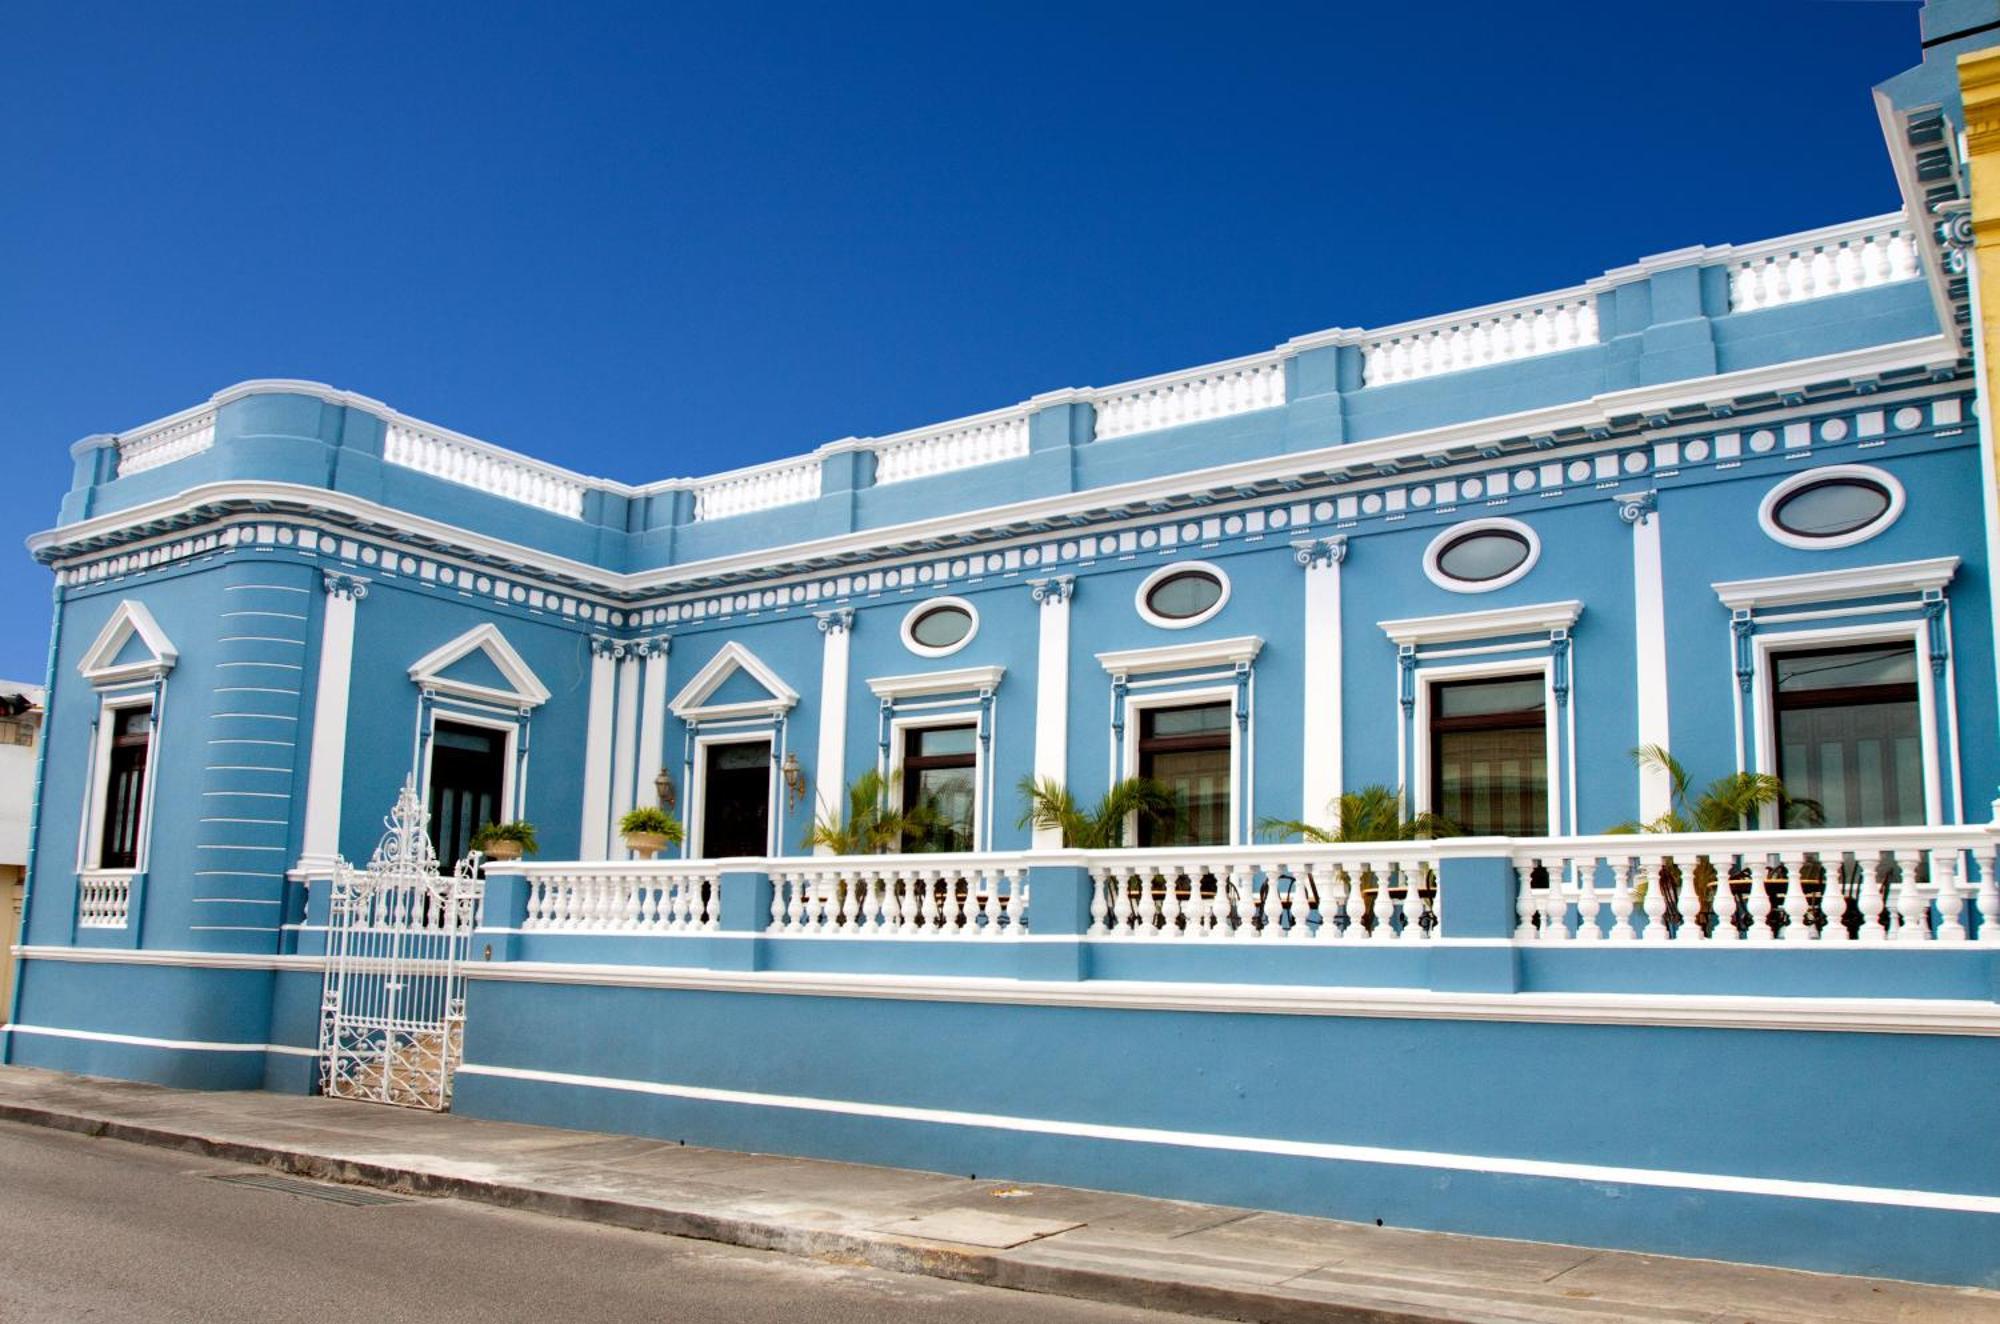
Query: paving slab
(1174, 1255)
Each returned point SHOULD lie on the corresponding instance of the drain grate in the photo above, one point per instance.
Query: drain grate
(312, 1190)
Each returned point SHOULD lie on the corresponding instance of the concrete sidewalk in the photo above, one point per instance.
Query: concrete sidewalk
(1197, 1259)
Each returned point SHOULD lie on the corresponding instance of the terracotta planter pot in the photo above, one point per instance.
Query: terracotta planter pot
(503, 850)
(646, 845)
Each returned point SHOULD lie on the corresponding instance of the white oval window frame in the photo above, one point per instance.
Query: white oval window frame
(924, 608)
(1457, 531)
(1168, 571)
(1767, 509)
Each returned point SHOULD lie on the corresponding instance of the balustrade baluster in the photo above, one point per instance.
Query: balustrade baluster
(1555, 906)
(1653, 881)
(1874, 896)
(777, 903)
(1017, 911)
(1525, 908)
(1796, 928)
(1950, 905)
(1912, 909)
(1122, 902)
(1759, 901)
(1100, 900)
(1989, 898)
(850, 900)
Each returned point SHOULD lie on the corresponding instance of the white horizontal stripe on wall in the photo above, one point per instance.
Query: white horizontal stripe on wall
(1309, 1149)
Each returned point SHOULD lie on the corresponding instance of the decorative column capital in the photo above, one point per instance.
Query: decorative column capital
(838, 621)
(341, 585)
(600, 646)
(1320, 553)
(1053, 591)
(1639, 507)
(653, 647)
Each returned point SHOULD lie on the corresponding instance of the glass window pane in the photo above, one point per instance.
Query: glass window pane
(1803, 672)
(741, 756)
(1487, 554)
(1477, 698)
(1189, 593)
(1200, 779)
(1861, 762)
(941, 627)
(1207, 719)
(945, 797)
(134, 722)
(1494, 782)
(452, 736)
(1831, 508)
(936, 741)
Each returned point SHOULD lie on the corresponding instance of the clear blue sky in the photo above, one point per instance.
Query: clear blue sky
(647, 241)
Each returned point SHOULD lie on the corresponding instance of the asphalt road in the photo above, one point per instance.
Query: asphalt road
(103, 1230)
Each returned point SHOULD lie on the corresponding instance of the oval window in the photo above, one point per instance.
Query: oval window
(1831, 507)
(1184, 594)
(1483, 555)
(941, 627)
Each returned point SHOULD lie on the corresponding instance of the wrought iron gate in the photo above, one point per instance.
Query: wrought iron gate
(392, 1011)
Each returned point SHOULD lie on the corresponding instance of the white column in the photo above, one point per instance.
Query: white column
(829, 765)
(1320, 774)
(596, 837)
(1052, 690)
(652, 721)
(625, 748)
(1649, 642)
(328, 763)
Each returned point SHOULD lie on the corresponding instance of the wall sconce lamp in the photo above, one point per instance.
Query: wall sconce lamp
(794, 778)
(663, 787)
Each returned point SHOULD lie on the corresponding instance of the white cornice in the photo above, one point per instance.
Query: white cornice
(963, 680)
(1867, 581)
(1533, 618)
(1191, 656)
(1950, 1016)
(1597, 412)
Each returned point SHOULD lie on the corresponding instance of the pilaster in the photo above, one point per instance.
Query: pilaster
(1649, 643)
(829, 766)
(595, 839)
(1320, 705)
(1052, 689)
(327, 766)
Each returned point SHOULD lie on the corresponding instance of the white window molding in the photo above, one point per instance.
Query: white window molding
(1767, 508)
(1534, 618)
(525, 688)
(513, 778)
(99, 664)
(1239, 768)
(1916, 633)
(90, 850)
(1168, 571)
(1236, 651)
(1867, 581)
(691, 704)
(697, 780)
(1446, 537)
(982, 770)
(924, 608)
(1554, 717)
(923, 684)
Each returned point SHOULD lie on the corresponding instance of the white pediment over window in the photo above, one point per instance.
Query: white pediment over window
(1862, 581)
(695, 701)
(1239, 651)
(1534, 618)
(131, 646)
(923, 684)
(481, 665)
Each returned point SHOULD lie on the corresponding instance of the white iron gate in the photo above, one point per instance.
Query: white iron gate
(392, 1012)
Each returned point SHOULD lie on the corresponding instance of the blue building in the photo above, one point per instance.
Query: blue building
(1734, 502)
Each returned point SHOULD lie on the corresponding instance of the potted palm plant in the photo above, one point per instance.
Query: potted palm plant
(866, 825)
(1730, 803)
(1051, 807)
(648, 831)
(506, 841)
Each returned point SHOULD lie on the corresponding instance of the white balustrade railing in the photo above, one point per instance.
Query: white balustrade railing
(1812, 267)
(1740, 889)
(765, 488)
(901, 896)
(644, 897)
(898, 459)
(103, 900)
(166, 442)
(1475, 340)
(485, 468)
(1167, 402)
(1381, 893)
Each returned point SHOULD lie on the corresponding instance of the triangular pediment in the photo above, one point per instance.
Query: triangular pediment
(131, 646)
(735, 683)
(480, 664)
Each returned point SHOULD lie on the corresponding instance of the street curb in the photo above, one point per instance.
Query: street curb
(884, 1251)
